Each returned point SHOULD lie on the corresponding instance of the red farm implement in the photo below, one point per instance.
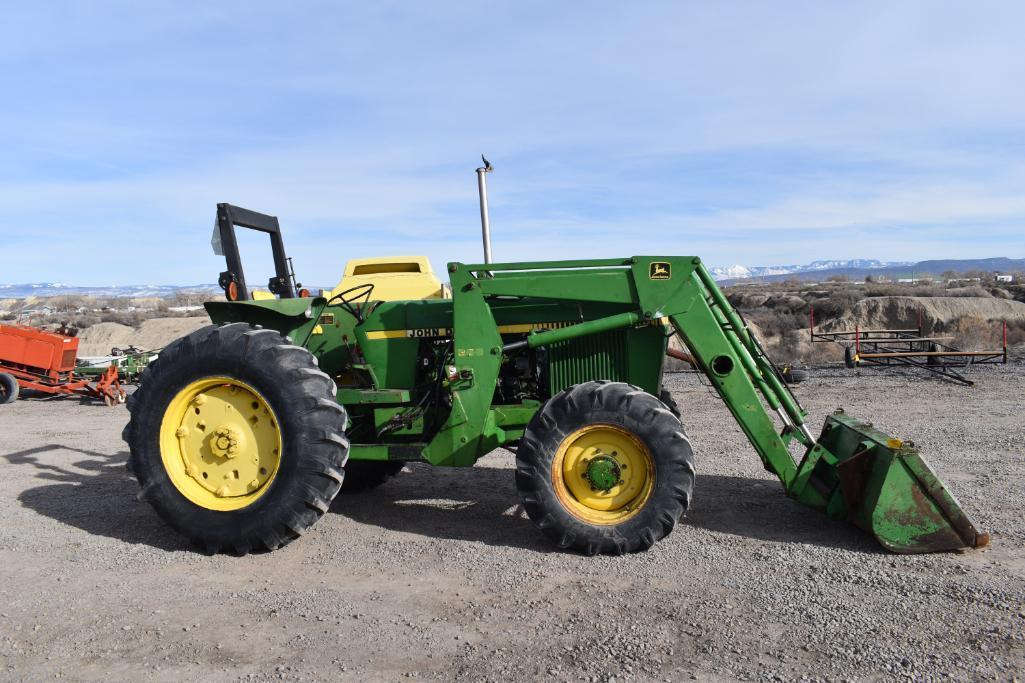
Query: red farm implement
(45, 362)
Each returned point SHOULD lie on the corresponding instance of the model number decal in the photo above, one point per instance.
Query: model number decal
(426, 332)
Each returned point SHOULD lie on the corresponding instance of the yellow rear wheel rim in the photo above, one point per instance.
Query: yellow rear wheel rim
(220, 443)
(624, 460)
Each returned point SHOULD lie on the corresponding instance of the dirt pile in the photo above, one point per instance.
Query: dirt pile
(151, 335)
(937, 312)
(159, 332)
(97, 340)
(746, 301)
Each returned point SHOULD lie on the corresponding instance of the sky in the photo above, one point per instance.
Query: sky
(747, 133)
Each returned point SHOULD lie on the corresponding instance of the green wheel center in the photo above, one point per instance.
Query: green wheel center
(603, 472)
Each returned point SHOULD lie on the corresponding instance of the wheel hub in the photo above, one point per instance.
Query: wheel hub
(603, 472)
(227, 442)
(221, 443)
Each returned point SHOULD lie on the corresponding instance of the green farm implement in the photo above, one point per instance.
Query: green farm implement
(130, 364)
(242, 433)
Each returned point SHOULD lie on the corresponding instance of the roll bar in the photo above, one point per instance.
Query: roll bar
(233, 280)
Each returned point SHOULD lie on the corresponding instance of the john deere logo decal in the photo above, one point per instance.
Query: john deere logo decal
(659, 270)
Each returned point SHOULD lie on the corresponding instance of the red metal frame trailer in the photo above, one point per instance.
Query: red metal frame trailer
(908, 347)
(42, 361)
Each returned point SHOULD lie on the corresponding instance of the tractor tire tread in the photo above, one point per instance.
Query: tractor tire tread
(670, 403)
(312, 427)
(631, 408)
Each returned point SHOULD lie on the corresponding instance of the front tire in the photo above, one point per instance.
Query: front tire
(605, 467)
(236, 438)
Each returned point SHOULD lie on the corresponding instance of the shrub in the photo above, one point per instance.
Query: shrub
(972, 333)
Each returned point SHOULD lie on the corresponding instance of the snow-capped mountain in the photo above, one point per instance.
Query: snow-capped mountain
(738, 272)
(815, 271)
(48, 289)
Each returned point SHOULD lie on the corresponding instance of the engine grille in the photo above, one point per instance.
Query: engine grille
(597, 356)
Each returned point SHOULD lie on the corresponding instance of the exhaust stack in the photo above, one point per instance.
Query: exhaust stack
(485, 223)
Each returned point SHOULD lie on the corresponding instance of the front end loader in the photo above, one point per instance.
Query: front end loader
(242, 433)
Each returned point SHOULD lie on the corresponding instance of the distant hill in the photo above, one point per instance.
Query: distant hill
(739, 272)
(860, 269)
(855, 269)
(1001, 264)
(48, 289)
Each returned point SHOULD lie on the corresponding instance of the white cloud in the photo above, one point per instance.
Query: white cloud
(743, 131)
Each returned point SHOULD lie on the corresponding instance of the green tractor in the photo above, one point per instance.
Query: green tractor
(242, 433)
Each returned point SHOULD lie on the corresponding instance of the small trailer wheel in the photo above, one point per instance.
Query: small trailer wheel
(8, 388)
(793, 375)
(605, 467)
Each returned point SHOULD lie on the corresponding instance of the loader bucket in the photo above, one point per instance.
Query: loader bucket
(885, 487)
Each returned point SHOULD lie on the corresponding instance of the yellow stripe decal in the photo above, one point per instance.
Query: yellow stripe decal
(386, 334)
(520, 328)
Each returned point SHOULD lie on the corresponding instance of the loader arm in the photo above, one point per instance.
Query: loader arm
(741, 378)
(852, 470)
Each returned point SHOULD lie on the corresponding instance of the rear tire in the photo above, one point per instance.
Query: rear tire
(848, 357)
(580, 427)
(296, 403)
(363, 475)
(670, 403)
(8, 388)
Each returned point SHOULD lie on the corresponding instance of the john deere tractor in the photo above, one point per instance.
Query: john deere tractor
(242, 433)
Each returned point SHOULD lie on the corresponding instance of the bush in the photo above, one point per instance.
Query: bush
(972, 333)
(776, 323)
(130, 318)
(789, 347)
(1015, 333)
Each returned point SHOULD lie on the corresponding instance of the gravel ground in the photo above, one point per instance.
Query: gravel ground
(438, 575)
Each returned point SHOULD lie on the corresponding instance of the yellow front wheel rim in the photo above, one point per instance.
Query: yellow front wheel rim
(220, 443)
(603, 474)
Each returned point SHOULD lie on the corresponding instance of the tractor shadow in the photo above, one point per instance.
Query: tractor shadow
(481, 504)
(758, 509)
(453, 503)
(95, 494)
